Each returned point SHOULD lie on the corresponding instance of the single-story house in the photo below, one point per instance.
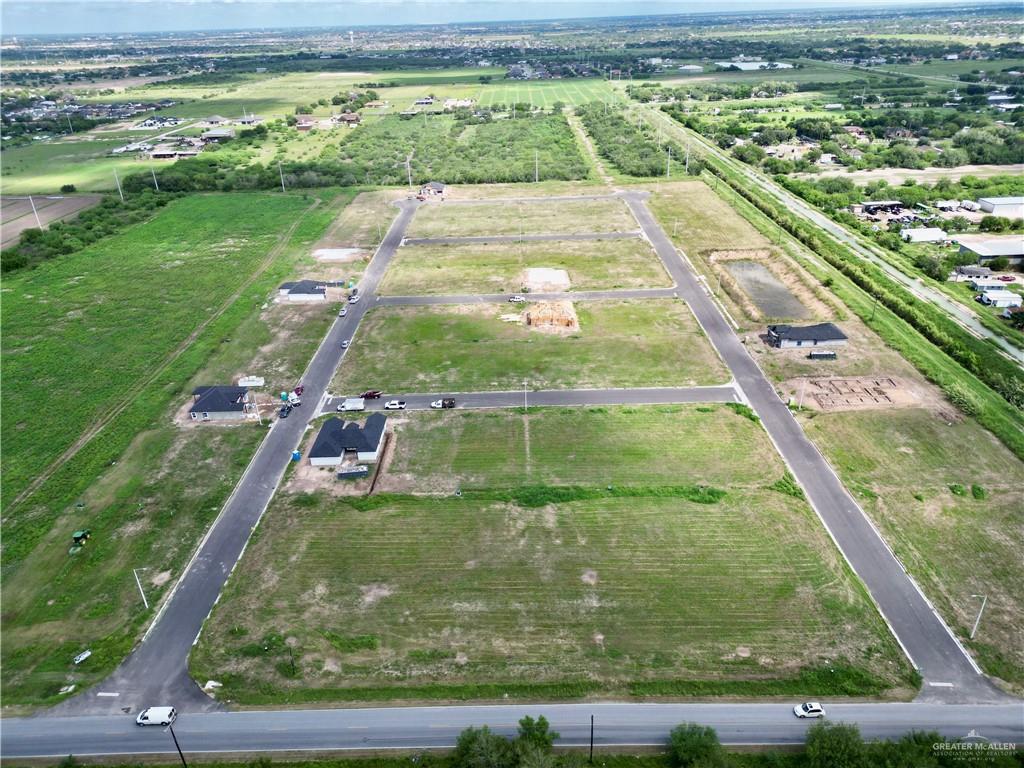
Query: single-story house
(338, 438)
(822, 334)
(305, 290)
(1000, 297)
(871, 207)
(220, 403)
(923, 235)
(216, 120)
(947, 205)
(349, 118)
(218, 134)
(986, 247)
(970, 270)
(432, 188)
(985, 283)
(305, 123)
(1010, 207)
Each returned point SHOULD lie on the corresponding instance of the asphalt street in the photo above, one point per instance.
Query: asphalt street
(433, 727)
(491, 298)
(520, 238)
(961, 314)
(552, 397)
(949, 672)
(157, 670)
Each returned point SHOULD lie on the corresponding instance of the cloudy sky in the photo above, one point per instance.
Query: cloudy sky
(22, 17)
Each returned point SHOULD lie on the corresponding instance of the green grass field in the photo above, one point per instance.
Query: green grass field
(700, 220)
(904, 466)
(43, 167)
(529, 592)
(500, 267)
(513, 218)
(84, 328)
(470, 348)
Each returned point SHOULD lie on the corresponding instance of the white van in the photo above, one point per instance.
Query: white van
(157, 716)
(352, 404)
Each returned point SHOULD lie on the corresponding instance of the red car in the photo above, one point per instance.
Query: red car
(1006, 278)
(371, 394)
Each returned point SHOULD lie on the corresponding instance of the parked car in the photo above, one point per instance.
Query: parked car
(285, 411)
(516, 299)
(353, 299)
(1006, 278)
(394, 405)
(371, 394)
(343, 311)
(156, 716)
(344, 344)
(445, 402)
(351, 404)
(809, 709)
(299, 390)
(294, 400)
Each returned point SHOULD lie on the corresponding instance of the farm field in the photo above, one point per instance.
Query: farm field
(535, 217)
(44, 167)
(500, 267)
(18, 216)
(907, 468)
(460, 151)
(470, 348)
(534, 591)
(99, 321)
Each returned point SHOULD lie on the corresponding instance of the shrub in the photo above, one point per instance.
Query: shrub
(691, 744)
(67, 189)
(834, 745)
(957, 489)
(979, 493)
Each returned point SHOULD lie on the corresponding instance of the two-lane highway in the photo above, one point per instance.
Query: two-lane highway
(412, 728)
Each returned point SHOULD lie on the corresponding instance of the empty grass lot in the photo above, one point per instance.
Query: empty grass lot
(705, 221)
(545, 217)
(500, 267)
(914, 474)
(499, 593)
(469, 348)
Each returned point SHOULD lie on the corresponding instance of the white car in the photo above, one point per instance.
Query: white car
(344, 344)
(517, 299)
(809, 709)
(156, 716)
(343, 311)
(394, 405)
(353, 299)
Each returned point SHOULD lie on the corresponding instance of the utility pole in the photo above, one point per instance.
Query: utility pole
(281, 174)
(408, 169)
(526, 407)
(984, 599)
(155, 182)
(35, 212)
(135, 573)
(118, 182)
(176, 746)
(536, 167)
(668, 163)
(70, 126)
(591, 739)
(687, 158)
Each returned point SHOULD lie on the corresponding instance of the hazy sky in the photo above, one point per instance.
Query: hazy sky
(21, 17)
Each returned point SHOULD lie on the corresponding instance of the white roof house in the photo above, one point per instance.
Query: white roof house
(923, 235)
(1010, 207)
(1000, 297)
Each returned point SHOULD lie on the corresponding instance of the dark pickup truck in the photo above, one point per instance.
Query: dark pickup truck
(447, 402)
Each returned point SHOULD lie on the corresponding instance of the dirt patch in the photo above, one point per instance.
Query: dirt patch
(341, 255)
(371, 594)
(558, 317)
(589, 577)
(855, 393)
(743, 652)
(160, 579)
(546, 279)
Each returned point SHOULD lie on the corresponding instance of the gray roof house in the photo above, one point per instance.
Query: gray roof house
(432, 188)
(823, 334)
(220, 403)
(304, 290)
(337, 438)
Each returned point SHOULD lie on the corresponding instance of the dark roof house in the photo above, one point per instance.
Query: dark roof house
(805, 336)
(337, 437)
(434, 187)
(220, 402)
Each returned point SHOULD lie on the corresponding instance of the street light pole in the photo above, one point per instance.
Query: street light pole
(984, 599)
(591, 739)
(135, 573)
(525, 406)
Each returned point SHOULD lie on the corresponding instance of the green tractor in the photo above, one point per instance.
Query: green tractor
(78, 539)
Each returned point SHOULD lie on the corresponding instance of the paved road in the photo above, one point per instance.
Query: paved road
(424, 727)
(530, 199)
(490, 298)
(556, 397)
(963, 315)
(158, 668)
(521, 238)
(949, 673)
